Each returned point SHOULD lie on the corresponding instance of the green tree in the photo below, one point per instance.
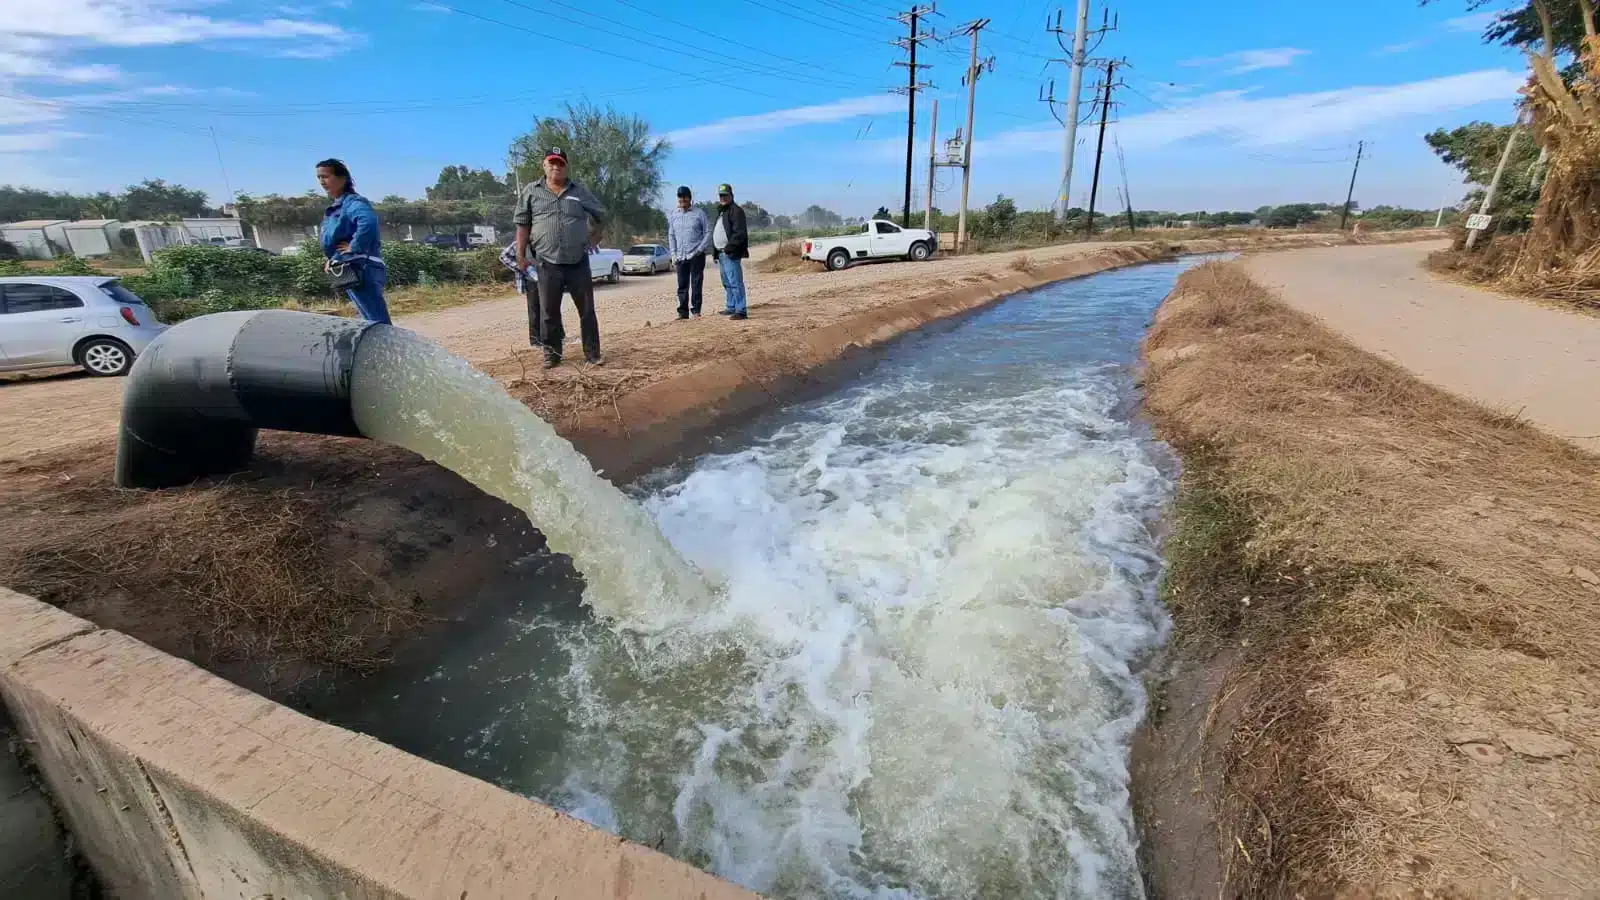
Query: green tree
(1475, 150)
(755, 216)
(467, 183)
(817, 217)
(610, 153)
(1292, 215)
(1000, 217)
(1522, 27)
(155, 199)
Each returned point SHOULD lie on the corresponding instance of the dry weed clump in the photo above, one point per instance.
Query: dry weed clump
(245, 574)
(786, 258)
(1023, 263)
(1404, 574)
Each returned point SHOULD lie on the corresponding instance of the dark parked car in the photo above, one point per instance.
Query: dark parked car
(450, 242)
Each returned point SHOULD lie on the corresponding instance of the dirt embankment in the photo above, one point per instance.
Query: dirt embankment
(1388, 619)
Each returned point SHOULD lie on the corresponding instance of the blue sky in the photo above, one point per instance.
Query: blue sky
(1228, 105)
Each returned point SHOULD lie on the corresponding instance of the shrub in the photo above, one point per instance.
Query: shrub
(407, 264)
(205, 267)
(68, 265)
(483, 266)
(12, 267)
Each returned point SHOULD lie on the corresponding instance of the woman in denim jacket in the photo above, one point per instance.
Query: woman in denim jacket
(350, 238)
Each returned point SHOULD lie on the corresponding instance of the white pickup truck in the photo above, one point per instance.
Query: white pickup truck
(878, 239)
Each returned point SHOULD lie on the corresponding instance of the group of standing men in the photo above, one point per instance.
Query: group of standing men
(690, 234)
(559, 220)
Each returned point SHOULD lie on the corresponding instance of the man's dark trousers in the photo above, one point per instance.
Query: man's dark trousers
(576, 280)
(691, 284)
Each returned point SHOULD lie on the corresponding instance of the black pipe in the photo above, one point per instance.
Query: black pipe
(198, 393)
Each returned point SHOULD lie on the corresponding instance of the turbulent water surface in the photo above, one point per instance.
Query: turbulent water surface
(907, 664)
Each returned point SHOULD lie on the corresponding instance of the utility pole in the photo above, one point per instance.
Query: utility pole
(1100, 146)
(221, 165)
(974, 69)
(1080, 36)
(933, 140)
(1350, 194)
(1494, 183)
(909, 44)
(1127, 196)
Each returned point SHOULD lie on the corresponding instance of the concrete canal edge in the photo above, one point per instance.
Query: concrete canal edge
(178, 783)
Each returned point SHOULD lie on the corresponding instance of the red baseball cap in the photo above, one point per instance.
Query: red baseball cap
(555, 153)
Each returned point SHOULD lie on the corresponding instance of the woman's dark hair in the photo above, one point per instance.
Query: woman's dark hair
(337, 167)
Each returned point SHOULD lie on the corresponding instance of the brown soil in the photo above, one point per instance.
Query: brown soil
(316, 561)
(1386, 608)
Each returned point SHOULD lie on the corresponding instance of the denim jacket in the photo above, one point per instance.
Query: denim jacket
(351, 219)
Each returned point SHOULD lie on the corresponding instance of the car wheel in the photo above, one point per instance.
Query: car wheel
(838, 259)
(105, 357)
(616, 274)
(919, 252)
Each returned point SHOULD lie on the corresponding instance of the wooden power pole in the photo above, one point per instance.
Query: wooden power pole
(933, 141)
(1100, 146)
(909, 43)
(1350, 195)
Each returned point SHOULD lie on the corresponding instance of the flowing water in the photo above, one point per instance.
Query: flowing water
(885, 645)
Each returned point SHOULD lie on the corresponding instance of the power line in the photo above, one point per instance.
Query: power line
(643, 62)
(765, 71)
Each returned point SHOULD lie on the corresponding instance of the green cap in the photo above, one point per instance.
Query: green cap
(724, 189)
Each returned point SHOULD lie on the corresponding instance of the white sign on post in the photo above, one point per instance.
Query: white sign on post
(1478, 222)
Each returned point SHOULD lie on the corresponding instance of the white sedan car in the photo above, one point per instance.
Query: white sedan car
(80, 320)
(646, 259)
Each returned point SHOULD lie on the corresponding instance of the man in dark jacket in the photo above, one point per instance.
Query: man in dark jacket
(553, 225)
(730, 244)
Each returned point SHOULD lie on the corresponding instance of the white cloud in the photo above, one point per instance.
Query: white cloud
(742, 129)
(1243, 61)
(1400, 47)
(139, 23)
(23, 65)
(33, 142)
(1473, 24)
(1286, 120)
(430, 8)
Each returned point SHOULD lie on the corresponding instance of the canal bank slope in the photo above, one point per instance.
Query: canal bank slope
(1382, 679)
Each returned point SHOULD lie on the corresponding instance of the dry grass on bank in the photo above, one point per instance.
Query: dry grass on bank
(1497, 265)
(786, 258)
(317, 561)
(1410, 580)
(235, 572)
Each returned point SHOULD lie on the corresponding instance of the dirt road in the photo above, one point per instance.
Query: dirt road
(1504, 353)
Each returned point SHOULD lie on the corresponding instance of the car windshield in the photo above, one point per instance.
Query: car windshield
(642, 249)
(117, 292)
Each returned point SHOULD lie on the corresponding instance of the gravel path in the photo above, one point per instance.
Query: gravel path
(1505, 353)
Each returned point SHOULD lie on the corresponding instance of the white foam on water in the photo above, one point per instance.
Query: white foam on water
(913, 674)
(413, 393)
(917, 679)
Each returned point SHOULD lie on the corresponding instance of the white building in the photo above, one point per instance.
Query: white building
(203, 230)
(93, 237)
(37, 238)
